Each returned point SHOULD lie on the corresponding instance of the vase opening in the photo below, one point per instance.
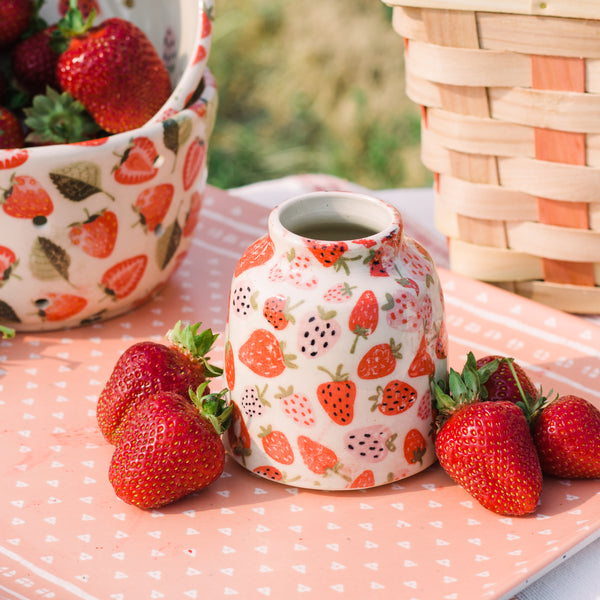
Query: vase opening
(335, 216)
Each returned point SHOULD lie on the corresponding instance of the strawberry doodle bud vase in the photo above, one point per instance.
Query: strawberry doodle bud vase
(335, 330)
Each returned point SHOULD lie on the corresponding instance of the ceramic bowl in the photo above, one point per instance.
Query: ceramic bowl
(89, 231)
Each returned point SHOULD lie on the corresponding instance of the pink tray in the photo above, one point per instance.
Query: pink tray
(65, 535)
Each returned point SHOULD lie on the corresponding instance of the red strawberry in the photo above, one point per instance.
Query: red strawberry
(415, 447)
(137, 164)
(262, 354)
(10, 159)
(337, 397)
(327, 253)
(96, 235)
(364, 317)
(147, 368)
(422, 363)
(11, 130)
(113, 70)
(566, 432)
(258, 253)
(34, 62)
(27, 199)
(193, 215)
(365, 480)
(15, 16)
(169, 448)
(121, 279)
(397, 397)
(379, 360)
(276, 445)
(501, 384)
(194, 159)
(152, 206)
(58, 307)
(8, 262)
(486, 447)
(318, 458)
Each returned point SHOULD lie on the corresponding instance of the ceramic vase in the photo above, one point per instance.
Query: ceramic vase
(335, 330)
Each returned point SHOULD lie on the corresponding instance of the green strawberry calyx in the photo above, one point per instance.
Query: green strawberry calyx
(213, 407)
(7, 332)
(71, 25)
(196, 345)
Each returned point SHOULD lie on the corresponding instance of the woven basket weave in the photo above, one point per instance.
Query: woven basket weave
(511, 129)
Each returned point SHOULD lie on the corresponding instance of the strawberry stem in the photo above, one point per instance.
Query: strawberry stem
(212, 407)
(7, 332)
(198, 345)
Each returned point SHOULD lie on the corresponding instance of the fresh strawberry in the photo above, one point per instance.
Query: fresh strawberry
(395, 398)
(147, 368)
(194, 159)
(112, 69)
(11, 130)
(137, 163)
(169, 447)
(96, 235)
(58, 307)
(34, 62)
(258, 253)
(263, 355)
(379, 360)
(152, 206)
(486, 447)
(337, 397)
(15, 16)
(502, 385)
(27, 199)
(121, 279)
(566, 432)
(364, 317)
(8, 263)
(276, 445)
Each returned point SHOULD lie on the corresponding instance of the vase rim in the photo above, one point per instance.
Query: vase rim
(376, 217)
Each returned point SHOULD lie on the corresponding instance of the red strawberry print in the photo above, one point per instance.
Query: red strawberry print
(381, 259)
(258, 253)
(268, 472)
(8, 262)
(379, 361)
(318, 332)
(422, 363)
(278, 312)
(441, 342)
(237, 434)
(414, 447)
(341, 292)
(194, 158)
(327, 253)
(276, 445)
(425, 408)
(152, 206)
(11, 158)
(296, 406)
(364, 317)
(58, 307)
(337, 397)
(229, 363)
(201, 54)
(371, 444)
(193, 215)
(263, 355)
(318, 458)
(137, 164)
(97, 235)
(121, 279)
(365, 480)
(27, 199)
(395, 398)
(207, 18)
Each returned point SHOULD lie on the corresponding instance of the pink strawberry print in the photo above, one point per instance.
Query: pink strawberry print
(416, 263)
(194, 159)
(138, 162)
(253, 402)
(97, 235)
(318, 332)
(263, 355)
(122, 279)
(243, 299)
(340, 292)
(406, 312)
(152, 206)
(296, 406)
(278, 312)
(8, 263)
(295, 270)
(370, 444)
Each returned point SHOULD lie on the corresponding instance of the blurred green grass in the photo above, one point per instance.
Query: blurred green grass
(312, 88)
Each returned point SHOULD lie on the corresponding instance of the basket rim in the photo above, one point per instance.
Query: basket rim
(577, 9)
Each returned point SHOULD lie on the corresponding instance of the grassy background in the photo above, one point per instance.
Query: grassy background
(312, 87)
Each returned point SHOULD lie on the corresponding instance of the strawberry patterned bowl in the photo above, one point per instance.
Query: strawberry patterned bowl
(91, 230)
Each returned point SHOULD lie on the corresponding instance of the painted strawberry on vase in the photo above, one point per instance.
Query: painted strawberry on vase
(330, 353)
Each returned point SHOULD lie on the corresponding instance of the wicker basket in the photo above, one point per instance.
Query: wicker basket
(510, 97)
